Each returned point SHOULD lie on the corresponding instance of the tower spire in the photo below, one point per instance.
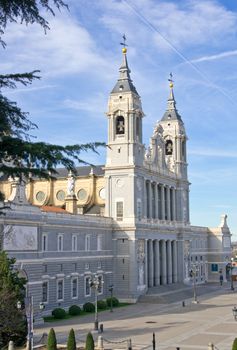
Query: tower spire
(171, 111)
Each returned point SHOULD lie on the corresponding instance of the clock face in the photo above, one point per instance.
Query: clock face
(102, 193)
(60, 195)
(40, 196)
(82, 194)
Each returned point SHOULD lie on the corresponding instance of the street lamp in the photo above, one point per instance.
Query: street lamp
(111, 288)
(30, 318)
(231, 276)
(96, 283)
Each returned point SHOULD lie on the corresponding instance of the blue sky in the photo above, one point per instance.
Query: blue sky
(79, 60)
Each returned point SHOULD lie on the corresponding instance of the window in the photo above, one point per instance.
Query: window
(60, 290)
(45, 268)
(45, 292)
(87, 243)
(87, 286)
(60, 243)
(99, 242)
(74, 287)
(214, 267)
(99, 265)
(119, 211)
(44, 243)
(87, 266)
(168, 148)
(74, 243)
(120, 125)
(100, 285)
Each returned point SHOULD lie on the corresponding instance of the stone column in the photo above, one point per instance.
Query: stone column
(150, 264)
(174, 262)
(150, 199)
(168, 202)
(156, 202)
(173, 204)
(163, 263)
(146, 263)
(169, 262)
(157, 262)
(162, 202)
(145, 199)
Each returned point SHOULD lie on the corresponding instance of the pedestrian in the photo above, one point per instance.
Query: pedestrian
(221, 279)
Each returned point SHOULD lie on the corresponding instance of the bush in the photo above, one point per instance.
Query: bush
(74, 310)
(89, 307)
(71, 342)
(101, 304)
(52, 342)
(115, 301)
(90, 342)
(234, 346)
(59, 313)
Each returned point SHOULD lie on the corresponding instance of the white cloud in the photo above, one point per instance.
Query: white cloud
(215, 57)
(67, 48)
(94, 104)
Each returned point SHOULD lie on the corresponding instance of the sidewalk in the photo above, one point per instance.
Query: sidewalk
(189, 327)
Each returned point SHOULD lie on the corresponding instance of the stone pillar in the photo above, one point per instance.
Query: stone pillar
(168, 202)
(150, 264)
(100, 343)
(163, 263)
(162, 202)
(174, 262)
(173, 204)
(156, 202)
(146, 263)
(150, 199)
(157, 262)
(145, 199)
(169, 262)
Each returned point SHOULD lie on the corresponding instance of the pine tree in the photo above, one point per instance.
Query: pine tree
(71, 342)
(12, 290)
(18, 154)
(90, 342)
(52, 342)
(234, 346)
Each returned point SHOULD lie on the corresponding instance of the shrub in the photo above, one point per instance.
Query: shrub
(101, 304)
(115, 301)
(71, 342)
(90, 342)
(234, 346)
(89, 307)
(74, 310)
(59, 313)
(52, 342)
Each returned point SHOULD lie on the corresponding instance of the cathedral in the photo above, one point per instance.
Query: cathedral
(125, 223)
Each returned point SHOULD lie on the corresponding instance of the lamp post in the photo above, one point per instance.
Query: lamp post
(95, 283)
(111, 288)
(193, 274)
(234, 310)
(30, 318)
(231, 275)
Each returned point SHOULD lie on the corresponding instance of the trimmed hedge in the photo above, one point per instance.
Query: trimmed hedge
(234, 345)
(115, 301)
(71, 342)
(74, 310)
(52, 342)
(89, 307)
(89, 342)
(59, 313)
(101, 304)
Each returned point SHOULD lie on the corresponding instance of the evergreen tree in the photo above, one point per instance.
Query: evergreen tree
(52, 342)
(234, 346)
(12, 290)
(19, 155)
(90, 342)
(71, 342)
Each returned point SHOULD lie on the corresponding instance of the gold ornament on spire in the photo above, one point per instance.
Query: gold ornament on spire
(124, 50)
(171, 84)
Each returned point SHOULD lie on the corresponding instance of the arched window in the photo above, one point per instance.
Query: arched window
(60, 243)
(138, 128)
(120, 125)
(183, 150)
(74, 243)
(99, 242)
(168, 148)
(44, 242)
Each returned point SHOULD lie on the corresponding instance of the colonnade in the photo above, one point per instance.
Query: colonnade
(162, 263)
(159, 201)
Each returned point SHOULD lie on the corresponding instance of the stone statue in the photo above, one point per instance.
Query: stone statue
(70, 184)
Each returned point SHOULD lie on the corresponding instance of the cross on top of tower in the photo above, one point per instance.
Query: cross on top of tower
(124, 50)
(171, 80)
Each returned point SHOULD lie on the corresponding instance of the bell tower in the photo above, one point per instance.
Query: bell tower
(125, 151)
(124, 120)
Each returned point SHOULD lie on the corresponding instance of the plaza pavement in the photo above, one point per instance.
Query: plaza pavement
(191, 327)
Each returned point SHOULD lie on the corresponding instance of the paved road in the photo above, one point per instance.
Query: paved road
(190, 327)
